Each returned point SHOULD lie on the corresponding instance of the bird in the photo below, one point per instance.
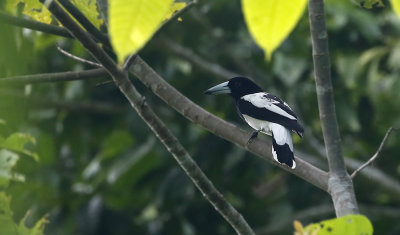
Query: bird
(265, 113)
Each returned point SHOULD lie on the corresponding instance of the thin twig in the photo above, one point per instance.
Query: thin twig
(375, 156)
(78, 58)
(33, 24)
(55, 77)
(139, 103)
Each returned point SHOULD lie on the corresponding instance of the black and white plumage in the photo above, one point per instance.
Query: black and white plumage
(265, 113)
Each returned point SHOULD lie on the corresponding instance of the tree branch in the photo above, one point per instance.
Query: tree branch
(388, 132)
(74, 57)
(55, 77)
(219, 127)
(373, 174)
(35, 25)
(139, 103)
(85, 22)
(339, 183)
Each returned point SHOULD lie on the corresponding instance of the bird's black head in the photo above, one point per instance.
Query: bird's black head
(236, 87)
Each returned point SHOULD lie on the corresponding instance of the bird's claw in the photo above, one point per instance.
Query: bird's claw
(252, 137)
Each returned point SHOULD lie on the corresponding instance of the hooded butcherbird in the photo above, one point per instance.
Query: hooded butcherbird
(265, 113)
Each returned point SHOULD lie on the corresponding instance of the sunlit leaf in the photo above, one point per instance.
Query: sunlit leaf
(396, 6)
(17, 141)
(298, 227)
(271, 21)
(34, 9)
(133, 23)
(175, 7)
(349, 224)
(9, 227)
(8, 160)
(89, 9)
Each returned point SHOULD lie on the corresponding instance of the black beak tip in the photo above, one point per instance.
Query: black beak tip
(207, 92)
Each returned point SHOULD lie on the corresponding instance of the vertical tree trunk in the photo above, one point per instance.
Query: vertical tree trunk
(340, 185)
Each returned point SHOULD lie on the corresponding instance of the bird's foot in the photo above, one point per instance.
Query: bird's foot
(252, 137)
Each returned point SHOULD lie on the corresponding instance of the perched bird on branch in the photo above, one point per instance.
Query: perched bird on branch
(265, 113)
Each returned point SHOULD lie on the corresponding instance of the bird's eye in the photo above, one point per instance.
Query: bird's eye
(237, 84)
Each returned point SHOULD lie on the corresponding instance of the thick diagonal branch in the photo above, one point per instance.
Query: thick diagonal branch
(219, 127)
(339, 183)
(139, 103)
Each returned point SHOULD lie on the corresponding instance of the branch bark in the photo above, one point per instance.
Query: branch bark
(138, 102)
(35, 25)
(340, 185)
(55, 77)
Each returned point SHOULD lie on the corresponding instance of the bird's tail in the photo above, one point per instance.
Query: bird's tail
(282, 145)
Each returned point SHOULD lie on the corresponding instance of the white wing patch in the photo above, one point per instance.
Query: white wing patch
(260, 101)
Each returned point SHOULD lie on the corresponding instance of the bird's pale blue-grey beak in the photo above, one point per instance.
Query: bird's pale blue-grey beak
(218, 89)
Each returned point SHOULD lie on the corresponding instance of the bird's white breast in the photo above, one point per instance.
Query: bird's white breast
(259, 125)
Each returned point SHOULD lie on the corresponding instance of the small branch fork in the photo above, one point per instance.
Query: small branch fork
(375, 156)
(78, 58)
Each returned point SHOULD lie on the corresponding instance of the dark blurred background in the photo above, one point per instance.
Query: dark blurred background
(102, 171)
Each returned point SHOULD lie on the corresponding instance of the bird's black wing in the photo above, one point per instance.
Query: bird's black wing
(266, 107)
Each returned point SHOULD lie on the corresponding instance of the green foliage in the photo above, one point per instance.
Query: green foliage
(9, 227)
(89, 9)
(32, 8)
(349, 225)
(8, 160)
(17, 142)
(133, 23)
(270, 22)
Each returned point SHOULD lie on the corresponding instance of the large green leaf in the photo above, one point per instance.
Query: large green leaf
(349, 225)
(9, 227)
(133, 23)
(396, 6)
(270, 21)
(17, 141)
